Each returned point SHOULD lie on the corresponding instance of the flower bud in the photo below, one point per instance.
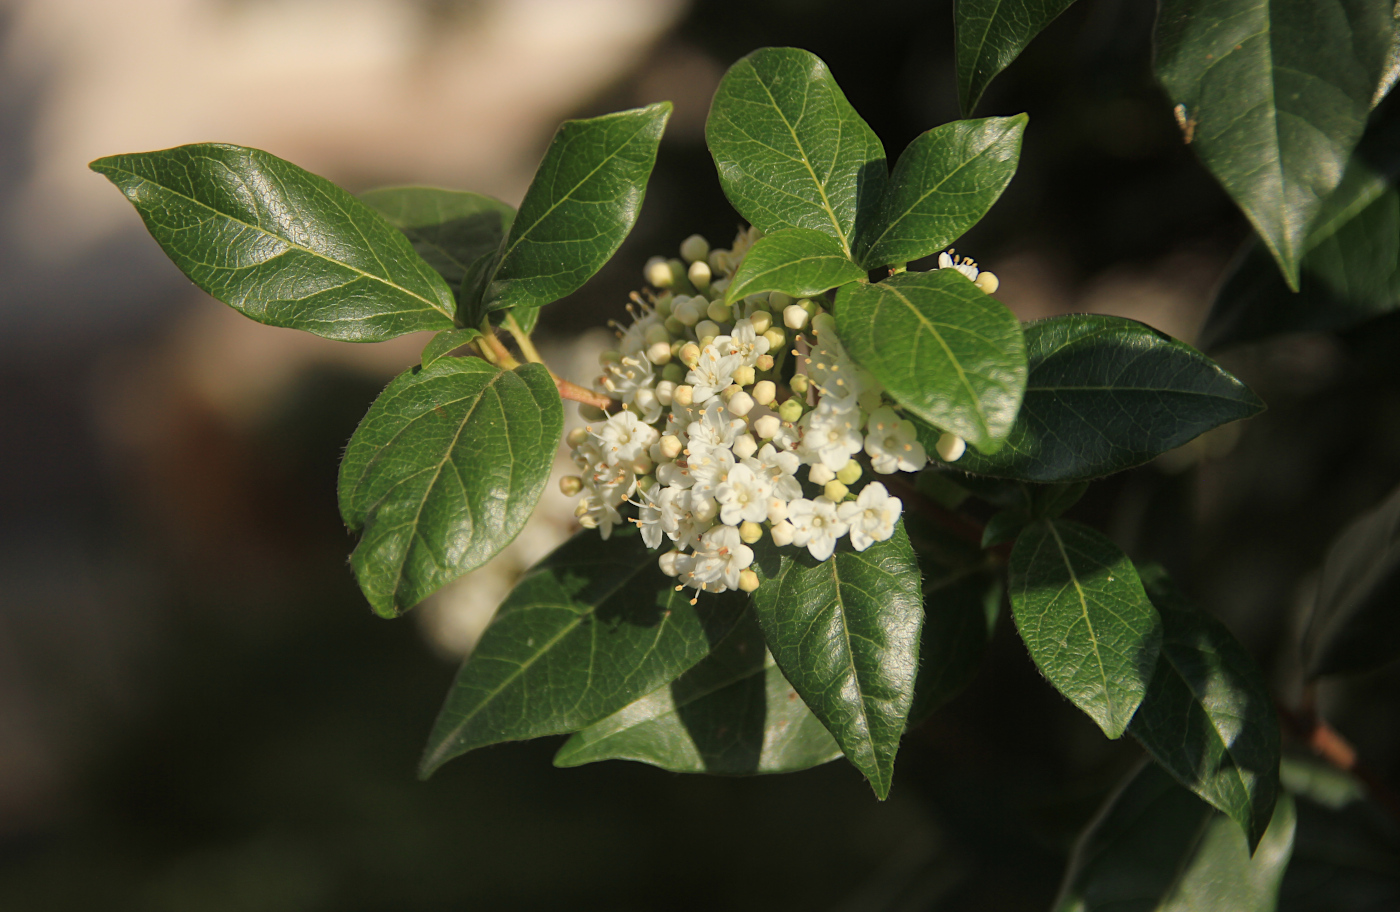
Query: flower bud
(777, 300)
(750, 532)
(767, 427)
(686, 310)
(658, 273)
(744, 375)
(782, 533)
(719, 312)
(695, 248)
(819, 474)
(690, 354)
(776, 339)
(640, 467)
(764, 392)
(790, 410)
(587, 521)
(823, 323)
(682, 394)
(850, 473)
(673, 371)
(570, 485)
(705, 510)
(777, 509)
(657, 333)
(664, 390)
(719, 286)
(592, 413)
(794, 317)
(950, 447)
(663, 304)
(748, 580)
(667, 562)
(870, 400)
(835, 491)
(762, 321)
(659, 352)
(674, 326)
(706, 330)
(764, 362)
(987, 282)
(577, 437)
(728, 392)
(740, 404)
(609, 356)
(699, 275)
(799, 383)
(745, 446)
(645, 400)
(671, 446)
(678, 268)
(812, 307)
(756, 301)
(719, 261)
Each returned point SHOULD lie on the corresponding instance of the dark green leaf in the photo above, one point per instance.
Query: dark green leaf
(1049, 501)
(989, 34)
(1157, 848)
(1004, 526)
(845, 632)
(445, 343)
(790, 150)
(960, 615)
(1355, 625)
(582, 202)
(590, 629)
(1106, 394)
(943, 184)
(451, 229)
(732, 714)
(1208, 718)
(796, 261)
(1274, 96)
(281, 245)
(1085, 618)
(443, 472)
(1351, 266)
(946, 351)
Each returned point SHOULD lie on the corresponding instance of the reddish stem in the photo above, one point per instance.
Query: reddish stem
(1328, 744)
(576, 393)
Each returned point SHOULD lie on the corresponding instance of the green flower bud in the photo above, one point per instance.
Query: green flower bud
(850, 473)
(695, 248)
(719, 312)
(790, 410)
(835, 491)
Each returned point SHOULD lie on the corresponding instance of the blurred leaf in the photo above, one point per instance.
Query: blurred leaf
(1085, 618)
(1208, 718)
(790, 150)
(989, 34)
(1157, 848)
(960, 615)
(845, 632)
(943, 184)
(1355, 623)
(1004, 526)
(1092, 381)
(946, 351)
(588, 630)
(281, 245)
(796, 261)
(443, 472)
(450, 229)
(445, 343)
(732, 714)
(1351, 265)
(1274, 96)
(582, 202)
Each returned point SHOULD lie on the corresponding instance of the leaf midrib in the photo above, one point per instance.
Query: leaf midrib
(1084, 608)
(957, 365)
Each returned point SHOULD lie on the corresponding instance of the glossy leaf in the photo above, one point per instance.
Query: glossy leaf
(732, 714)
(796, 261)
(790, 150)
(960, 615)
(1106, 394)
(583, 201)
(281, 245)
(593, 627)
(443, 472)
(445, 343)
(942, 185)
(1208, 718)
(946, 351)
(1355, 625)
(845, 632)
(1275, 95)
(451, 229)
(1157, 848)
(989, 34)
(1084, 617)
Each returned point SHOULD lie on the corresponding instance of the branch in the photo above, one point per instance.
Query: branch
(573, 391)
(522, 339)
(1328, 744)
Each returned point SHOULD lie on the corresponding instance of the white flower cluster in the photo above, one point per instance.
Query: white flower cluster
(718, 426)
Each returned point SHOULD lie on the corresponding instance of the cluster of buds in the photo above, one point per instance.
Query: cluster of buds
(730, 417)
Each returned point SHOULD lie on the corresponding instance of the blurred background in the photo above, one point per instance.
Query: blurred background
(198, 710)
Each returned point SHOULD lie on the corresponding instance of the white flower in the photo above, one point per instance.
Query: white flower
(815, 526)
(624, 438)
(595, 513)
(949, 260)
(891, 443)
(742, 496)
(832, 434)
(834, 373)
(719, 559)
(712, 373)
(634, 340)
(871, 516)
(743, 341)
(779, 469)
(623, 379)
(716, 427)
(710, 468)
(675, 474)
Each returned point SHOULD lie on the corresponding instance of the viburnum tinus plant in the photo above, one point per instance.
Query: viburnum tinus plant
(775, 568)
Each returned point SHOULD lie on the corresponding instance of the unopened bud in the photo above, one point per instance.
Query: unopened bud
(782, 533)
(799, 383)
(671, 446)
(776, 339)
(657, 333)
(658, 273)
(767, 427)
(644, 400)
(695, 248)
(790, 410)
(719, 312)
(812, 307)
(740, 404)
(835, 491)
(705, 510)
(673, 371)
(764, 362)
(755, 301)
(719, 261)
(673, 325)
(664, 390)
(719, 286)
(729, 392)
(687, 310)
(570, 485)
(659, 352)
(795, 317)
(690, 354)
(641, 466)
(744, 375)
(764, 392)
(577, 437)
(663, 304)
(823, 323)
(667, 562)
(849, 474)
(682, 394)
(762, 321)
(745, 446)
(592, 413)
(748, 580)
(951, 447)
(777, 300)
(706, 329)
(750, 532)
(819, 474)
(777, 509)
(699, 275)
(987, 282)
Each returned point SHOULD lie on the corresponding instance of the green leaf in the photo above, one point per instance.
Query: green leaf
(451, 229)
(1092, 381)
(445, 343)
(945, 350)
(583, 201)
(790, 150)
(443, 472)
(1355, 625)
(942, 185)
(1083, 614)
(796, 261)
(590, 629)
(1004, 526)
(1275, 95)
(281, 245)
(1208, 718)
(733, 714)
(989, 34)
(960, 616)
(845, 632)
(1350, 271)
(1157, 848)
